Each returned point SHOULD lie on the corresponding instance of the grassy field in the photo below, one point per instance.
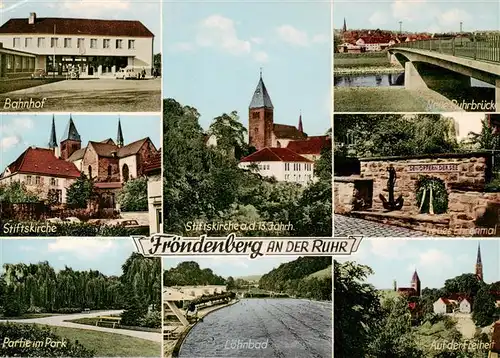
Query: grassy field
(22, 83)
(322, 273)
(366, 99)
(354, 60)
(110, 344)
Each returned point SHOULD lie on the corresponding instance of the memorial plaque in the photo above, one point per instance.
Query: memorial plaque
(433, 168)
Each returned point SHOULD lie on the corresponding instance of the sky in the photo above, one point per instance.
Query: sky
(146, 11)
(435, 260)
(466, 123)
(214, 52)
(418, 15)
(19, 131)
(104, 255)
(232, 266)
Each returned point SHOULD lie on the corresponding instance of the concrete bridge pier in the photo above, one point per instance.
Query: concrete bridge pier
(413, 80)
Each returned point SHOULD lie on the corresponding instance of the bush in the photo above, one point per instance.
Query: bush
(151, 320)
(34, 309)
(12, 306)
(36, 334)
(68, 310)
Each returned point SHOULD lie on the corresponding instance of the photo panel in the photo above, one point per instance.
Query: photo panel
(415, 175)
(79, 298)
(247, 119)
(418, 298)
(416, 56)
(79, 57)
(233, 307)
(80, 175)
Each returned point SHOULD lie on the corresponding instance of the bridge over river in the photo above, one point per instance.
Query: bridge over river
(449, 63)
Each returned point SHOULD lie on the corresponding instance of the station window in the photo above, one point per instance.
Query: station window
(41, 42)
(106, 43)
(16, 42)
(67, 43)
(119, 43)
(53, 42)
(93, 43)
(81, 43)
(28, 41)
(131, 44)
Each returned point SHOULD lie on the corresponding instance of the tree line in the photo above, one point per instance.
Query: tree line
(39, 288)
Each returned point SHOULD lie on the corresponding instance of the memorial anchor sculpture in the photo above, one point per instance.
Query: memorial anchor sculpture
(392, 204)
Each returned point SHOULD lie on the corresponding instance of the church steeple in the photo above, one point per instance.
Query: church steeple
(52, 138)
(260, 118)
(261, 97)
(344, 28)
(71, 141)
(415, 282)
(300, 128)
(71, 133)
(479, 264)
(119, 137)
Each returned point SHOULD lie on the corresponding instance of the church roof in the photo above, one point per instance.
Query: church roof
(311, 145)
(415, 276)
(42, 161)
(153, 164)
(261, 97)
(285, 131)
(71, 132)
(110, 149)
(478, 259)
(274, 155)
(77, 154)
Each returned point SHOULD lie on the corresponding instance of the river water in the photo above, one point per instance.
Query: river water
(277, 328)
(385, 80)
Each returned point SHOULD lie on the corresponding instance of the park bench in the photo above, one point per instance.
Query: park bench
(109, 321)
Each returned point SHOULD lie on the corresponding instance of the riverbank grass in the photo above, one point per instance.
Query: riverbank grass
(366, 99)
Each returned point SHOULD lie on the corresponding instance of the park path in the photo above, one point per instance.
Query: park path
(60, 321)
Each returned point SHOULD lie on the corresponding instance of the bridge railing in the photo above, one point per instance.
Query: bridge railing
(477, 47)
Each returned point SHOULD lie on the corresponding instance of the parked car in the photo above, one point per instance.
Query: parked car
(55, 220)
(39, 74)
(127, 73)
(123, 223)
(72, 219)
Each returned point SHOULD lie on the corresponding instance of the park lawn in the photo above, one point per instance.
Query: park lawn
(110, 344)
(369, 99)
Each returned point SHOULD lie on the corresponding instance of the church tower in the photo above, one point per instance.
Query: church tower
(344, 28)
(300, 128)
(415, 283)
(119, 136)
(71, 140)
(52, 138)
(479, 264)
(260, 117)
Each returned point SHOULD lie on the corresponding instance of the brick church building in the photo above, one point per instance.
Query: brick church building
(109, 163)
(284, 151)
